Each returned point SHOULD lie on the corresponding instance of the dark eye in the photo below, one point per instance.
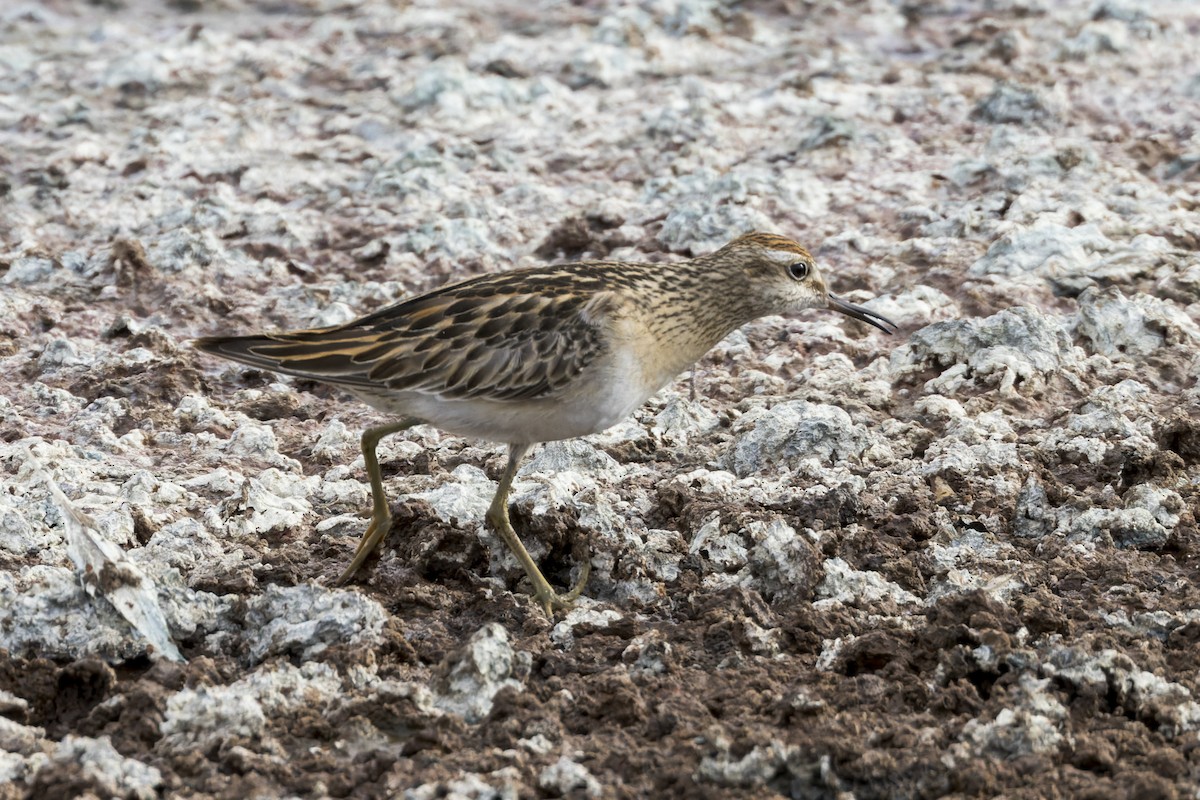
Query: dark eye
(798, 270)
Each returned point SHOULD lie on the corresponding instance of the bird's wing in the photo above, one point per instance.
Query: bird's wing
(502, 337)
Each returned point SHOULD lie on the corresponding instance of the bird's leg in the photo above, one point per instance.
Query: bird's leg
(381, 517)
(497, 515)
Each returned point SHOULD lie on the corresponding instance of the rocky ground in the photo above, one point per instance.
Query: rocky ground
(960, 561)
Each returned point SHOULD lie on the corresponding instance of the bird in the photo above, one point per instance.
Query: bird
(539, 354)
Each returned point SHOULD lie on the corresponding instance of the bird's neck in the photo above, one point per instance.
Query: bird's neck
(705, 304)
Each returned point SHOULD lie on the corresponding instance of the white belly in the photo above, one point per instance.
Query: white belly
(637, 364)
(601, 397)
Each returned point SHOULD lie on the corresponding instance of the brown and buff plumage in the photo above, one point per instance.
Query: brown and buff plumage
(542, 353)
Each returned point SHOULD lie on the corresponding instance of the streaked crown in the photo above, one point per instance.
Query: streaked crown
(768, 241)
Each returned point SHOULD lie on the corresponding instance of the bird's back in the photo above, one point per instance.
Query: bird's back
(508, 336)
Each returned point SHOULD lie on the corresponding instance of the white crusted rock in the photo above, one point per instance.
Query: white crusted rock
(795, 430)
(1121, 327)
(305, 620)
(469, 679)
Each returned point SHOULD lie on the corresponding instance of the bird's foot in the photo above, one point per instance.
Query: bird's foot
(376, 532)
(550, 600)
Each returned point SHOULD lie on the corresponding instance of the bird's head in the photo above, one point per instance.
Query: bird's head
(782, 277)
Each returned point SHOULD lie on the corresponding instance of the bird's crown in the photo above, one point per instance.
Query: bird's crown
(768, 241)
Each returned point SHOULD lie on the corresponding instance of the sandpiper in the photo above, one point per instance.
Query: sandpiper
(540, 354)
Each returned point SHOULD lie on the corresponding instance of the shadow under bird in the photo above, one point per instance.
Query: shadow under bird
(540, 354)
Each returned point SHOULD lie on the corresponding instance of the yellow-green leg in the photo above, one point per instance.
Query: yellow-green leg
(381, 517)
(497, 515)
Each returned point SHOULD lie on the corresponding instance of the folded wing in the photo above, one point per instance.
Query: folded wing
(494, 337)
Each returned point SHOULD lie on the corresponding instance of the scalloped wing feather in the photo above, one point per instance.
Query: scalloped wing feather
(492, 337)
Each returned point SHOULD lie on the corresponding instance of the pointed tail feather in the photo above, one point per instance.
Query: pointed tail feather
(238, 348)
(311, 359)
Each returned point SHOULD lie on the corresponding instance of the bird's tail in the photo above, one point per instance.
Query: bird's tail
(328, 354)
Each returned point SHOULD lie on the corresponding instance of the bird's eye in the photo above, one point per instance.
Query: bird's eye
(798, 270)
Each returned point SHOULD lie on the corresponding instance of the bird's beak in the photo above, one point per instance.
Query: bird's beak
(858, 312)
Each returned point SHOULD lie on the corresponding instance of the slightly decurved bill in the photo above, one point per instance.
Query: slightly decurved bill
(866, 315)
